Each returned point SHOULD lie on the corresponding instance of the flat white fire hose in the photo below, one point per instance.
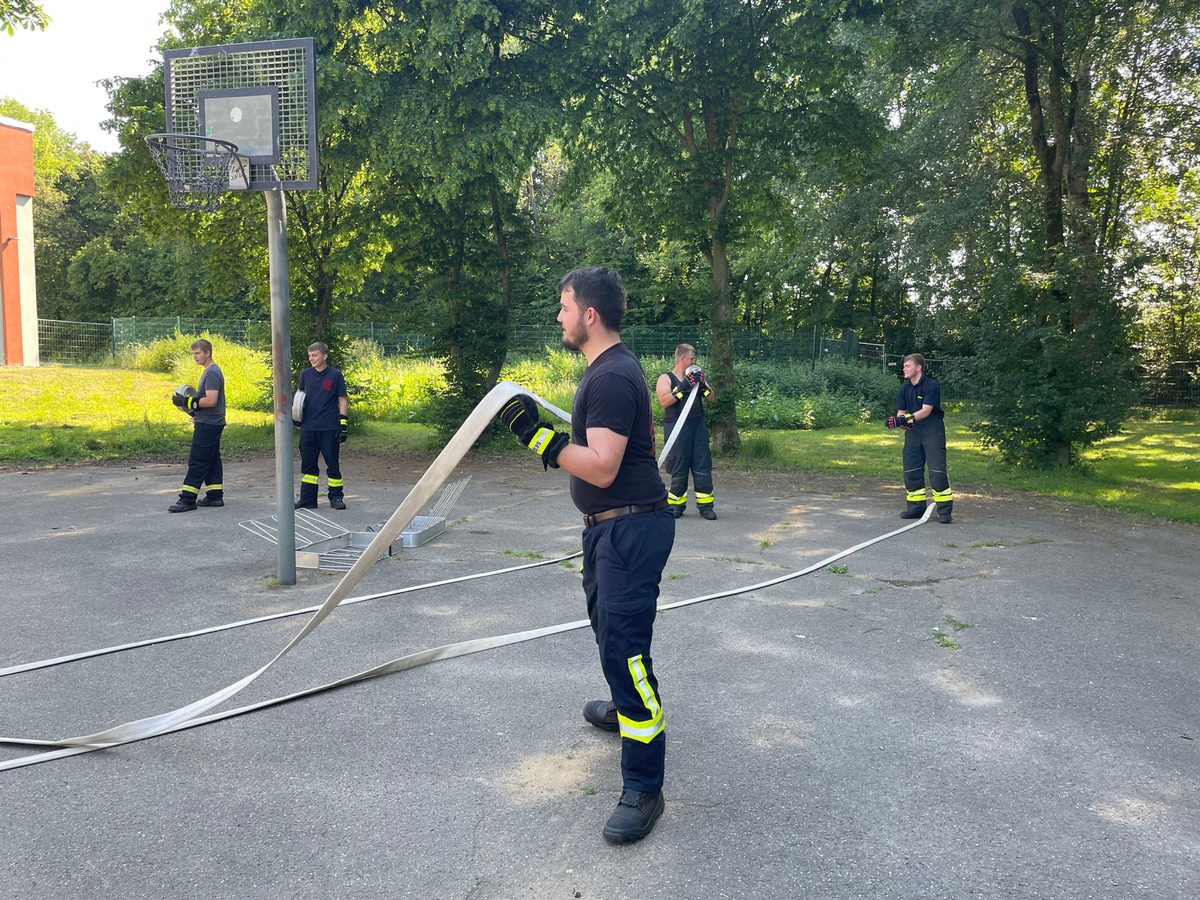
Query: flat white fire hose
(194, 714)
(421, 493)
(683, 414)
(229, 626)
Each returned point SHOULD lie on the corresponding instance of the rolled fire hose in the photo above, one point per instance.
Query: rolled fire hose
(298, 407)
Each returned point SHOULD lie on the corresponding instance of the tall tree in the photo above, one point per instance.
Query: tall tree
(696, 107)
(1039, 111)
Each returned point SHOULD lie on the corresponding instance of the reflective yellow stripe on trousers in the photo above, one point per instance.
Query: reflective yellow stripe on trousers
(648, 730)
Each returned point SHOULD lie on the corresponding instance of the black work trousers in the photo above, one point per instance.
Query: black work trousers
(925, 447)
(313, 446)
(204, 463)
(690, 453)
(623, 561)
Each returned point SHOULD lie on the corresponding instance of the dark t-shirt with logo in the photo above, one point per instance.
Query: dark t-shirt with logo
(927, 391)
(321, 393)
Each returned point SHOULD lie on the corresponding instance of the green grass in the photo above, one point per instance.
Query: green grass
(1151, 467)
(56, 416)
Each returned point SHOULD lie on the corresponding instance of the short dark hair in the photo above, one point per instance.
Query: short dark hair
(601, 289)
(202, 344)
(918, 359)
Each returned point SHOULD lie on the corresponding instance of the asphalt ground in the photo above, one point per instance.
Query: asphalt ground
(1005, 707)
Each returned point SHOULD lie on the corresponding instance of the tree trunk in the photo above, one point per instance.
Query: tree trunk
(505, 281)
(724, 430)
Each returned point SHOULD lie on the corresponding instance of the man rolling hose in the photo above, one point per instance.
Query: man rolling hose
(206, 406)
(690, 451)
(628, 530)
(919, 413)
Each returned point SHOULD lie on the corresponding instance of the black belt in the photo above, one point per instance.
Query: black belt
(597, 518)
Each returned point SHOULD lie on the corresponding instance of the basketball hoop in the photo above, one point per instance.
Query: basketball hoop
(198, 169)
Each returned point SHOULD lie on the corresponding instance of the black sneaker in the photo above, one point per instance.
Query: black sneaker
(182, 506)
(944, 518)
(602, 714)
(337, 502)
(707, 512)
(304, 504)
(912, 513)
(210, 501)
(634, 816)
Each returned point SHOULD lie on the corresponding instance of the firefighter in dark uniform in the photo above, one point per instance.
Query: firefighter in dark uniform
(628, 529)
(691, 451)
(323, 428)
(206, 406)
(919, 413)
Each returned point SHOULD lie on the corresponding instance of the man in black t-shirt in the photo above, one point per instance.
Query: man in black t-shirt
(628, 529)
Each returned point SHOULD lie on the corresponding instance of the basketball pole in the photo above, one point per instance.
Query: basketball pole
(281, 365)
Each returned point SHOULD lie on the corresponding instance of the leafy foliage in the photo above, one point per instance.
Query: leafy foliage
(1050, 387)
(16, 14)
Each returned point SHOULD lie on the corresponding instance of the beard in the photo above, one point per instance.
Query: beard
(575, 338)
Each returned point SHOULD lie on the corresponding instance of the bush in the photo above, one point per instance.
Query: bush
(247, 372)
(405, 389)
(388, 388)
(553, 377)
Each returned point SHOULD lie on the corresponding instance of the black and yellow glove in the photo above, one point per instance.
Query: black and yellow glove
(520, 416)
(186, 398)
(343, 429)
(900, 420)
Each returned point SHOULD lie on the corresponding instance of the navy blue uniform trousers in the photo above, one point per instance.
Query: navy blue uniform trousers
(623, 561)
(204, 463)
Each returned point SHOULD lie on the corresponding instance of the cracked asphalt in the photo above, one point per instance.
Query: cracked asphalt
(1005, 707)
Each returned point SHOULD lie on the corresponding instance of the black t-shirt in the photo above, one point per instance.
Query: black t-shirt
(613, 394)
(912, 397)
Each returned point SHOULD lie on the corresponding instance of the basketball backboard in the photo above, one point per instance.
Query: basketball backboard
(260, 96)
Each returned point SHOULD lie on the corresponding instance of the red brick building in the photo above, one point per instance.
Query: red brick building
(18, 284)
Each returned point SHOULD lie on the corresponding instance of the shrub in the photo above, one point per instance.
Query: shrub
(389, 388)
(247, 372)
(553, 377)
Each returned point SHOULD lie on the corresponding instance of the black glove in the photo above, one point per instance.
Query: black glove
(901, 420)
(680, 391)
(548, 443)
(343, 429)
(520, 416)
(186, 398)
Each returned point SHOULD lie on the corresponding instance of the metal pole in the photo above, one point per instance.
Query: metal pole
(281, 365)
